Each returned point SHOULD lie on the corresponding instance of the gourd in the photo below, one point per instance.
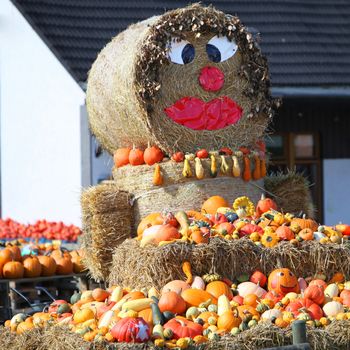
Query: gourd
(198, 283)
(246, 171)
(157, 176)
(213, 166)
(202, 153)
(187, 172)
(269, 240)
(224, 168)
(157, 332)
(223, 305)
(186, 268)
(183, 220)
(157, 315)
(263, 167)
(195, 297)
(269, 314)
(117, 294)
(236, 170)
(178, 157)
(256, 171)
(137, 304)
(199, 170)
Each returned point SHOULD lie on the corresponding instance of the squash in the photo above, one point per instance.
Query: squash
(100, 294)
(305, 223)
(315, 293)
(218, 288)
(269, 240)
(137, 304)
(224, 168)
(157, 316)
(256, 171)
(166, 232)
(199, 170)
(186, 268)
(246, 171)
(157, 332)
(236, 170)
(263, 171)
(195, 297)
(213, 166)
(332, 308)
(198, 283)
(284, 233)
(183, 220)
(148, 221)
(176, 286)
(187, 172)
(116, 294)
(228, 320)
(178, 157)
(13, 270)
(283, 281)
(331, 291)
(171, 301)
(264, 205)
(149, 235)
(157, 176)
(32, 266)
(223, 304)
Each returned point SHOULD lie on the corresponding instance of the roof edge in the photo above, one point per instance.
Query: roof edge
(311, 91)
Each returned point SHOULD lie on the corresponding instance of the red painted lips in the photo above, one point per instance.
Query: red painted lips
(199, 115)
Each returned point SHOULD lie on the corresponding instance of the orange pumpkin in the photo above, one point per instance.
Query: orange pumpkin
(121, 157)
(32, 267)
(146, 314)
(23, 327)
(167, 233)
(320, 283)
(194, 297)
(211, 205)
(171, 301)
(307, 234)
(64, 266)
(228, 320)
(100, 294)
(199, 237)
(133, 296)
(251, 299)
(305, 223)
(6, 255)
(13, 269)
(16, 251)
(244, 310)
(283, 281)
(78, 265)
(150, 220)
(264, 205)
(153, 155)
(338, 277)
(48, 265)
(315, 293)
(218, 288)
(206, 315)
(136, 157)
(285, 233)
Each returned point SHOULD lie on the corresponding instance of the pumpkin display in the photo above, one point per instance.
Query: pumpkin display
(181, 328)
(131, 330)
(283, 281)
(171, 301)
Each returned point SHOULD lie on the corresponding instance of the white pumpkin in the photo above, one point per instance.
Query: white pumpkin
(198, 283)
(269, 314)
(331, 291)
(333, 308)
(246, 288)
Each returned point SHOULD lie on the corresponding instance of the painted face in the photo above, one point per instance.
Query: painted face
(209, 109)
(283, 281)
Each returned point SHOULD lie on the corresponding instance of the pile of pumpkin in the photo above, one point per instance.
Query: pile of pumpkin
(14, 265)
(262, 223)
(224, 161)
(197, 310)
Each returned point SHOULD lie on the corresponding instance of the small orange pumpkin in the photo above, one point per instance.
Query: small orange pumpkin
(218, 288)
(48, 265)
(264, 205)
(32, 267)
(285, 233)
(13, 269)
(121, 157)
(167, 232)
(100, 294)
(211, 205)
(148, 221)
(136, 157)
(6, 255)
(307, 234)
(305, 223)
(171, 301)
(153, 155)
(228, 320)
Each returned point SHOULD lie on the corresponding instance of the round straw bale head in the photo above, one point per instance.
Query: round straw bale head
(191, 78)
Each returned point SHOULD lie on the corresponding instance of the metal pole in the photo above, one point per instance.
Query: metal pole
(299, 332)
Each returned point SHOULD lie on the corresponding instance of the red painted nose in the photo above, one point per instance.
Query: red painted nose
(211, 78)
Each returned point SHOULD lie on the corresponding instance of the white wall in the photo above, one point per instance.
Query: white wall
(40, 127)
(336, 187)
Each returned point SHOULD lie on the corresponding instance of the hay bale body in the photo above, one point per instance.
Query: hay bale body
(138, 267)
(179, 192)
(132, 81)
(107, 221)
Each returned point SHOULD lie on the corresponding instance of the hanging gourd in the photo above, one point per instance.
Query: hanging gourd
(224, 168)
(246, 171)
(187, 172)
(157, 176)
(256, 171)
(213, 165)
(186, 268)
(263, 167)
(236, 170)
(199, 170)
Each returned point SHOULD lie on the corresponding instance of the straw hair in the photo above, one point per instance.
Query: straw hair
(149, 266)
(107, 221)
(291, 192)
(132, 81)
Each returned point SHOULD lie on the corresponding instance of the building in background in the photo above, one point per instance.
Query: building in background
(47, 48)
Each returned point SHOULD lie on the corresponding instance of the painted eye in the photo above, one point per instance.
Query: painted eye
(181, 52)
(281, 274)
(291, 274)
(220, 49)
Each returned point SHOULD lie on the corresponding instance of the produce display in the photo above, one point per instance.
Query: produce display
(261, 223)
(196, 310)
(42, 229)
(40, 260)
